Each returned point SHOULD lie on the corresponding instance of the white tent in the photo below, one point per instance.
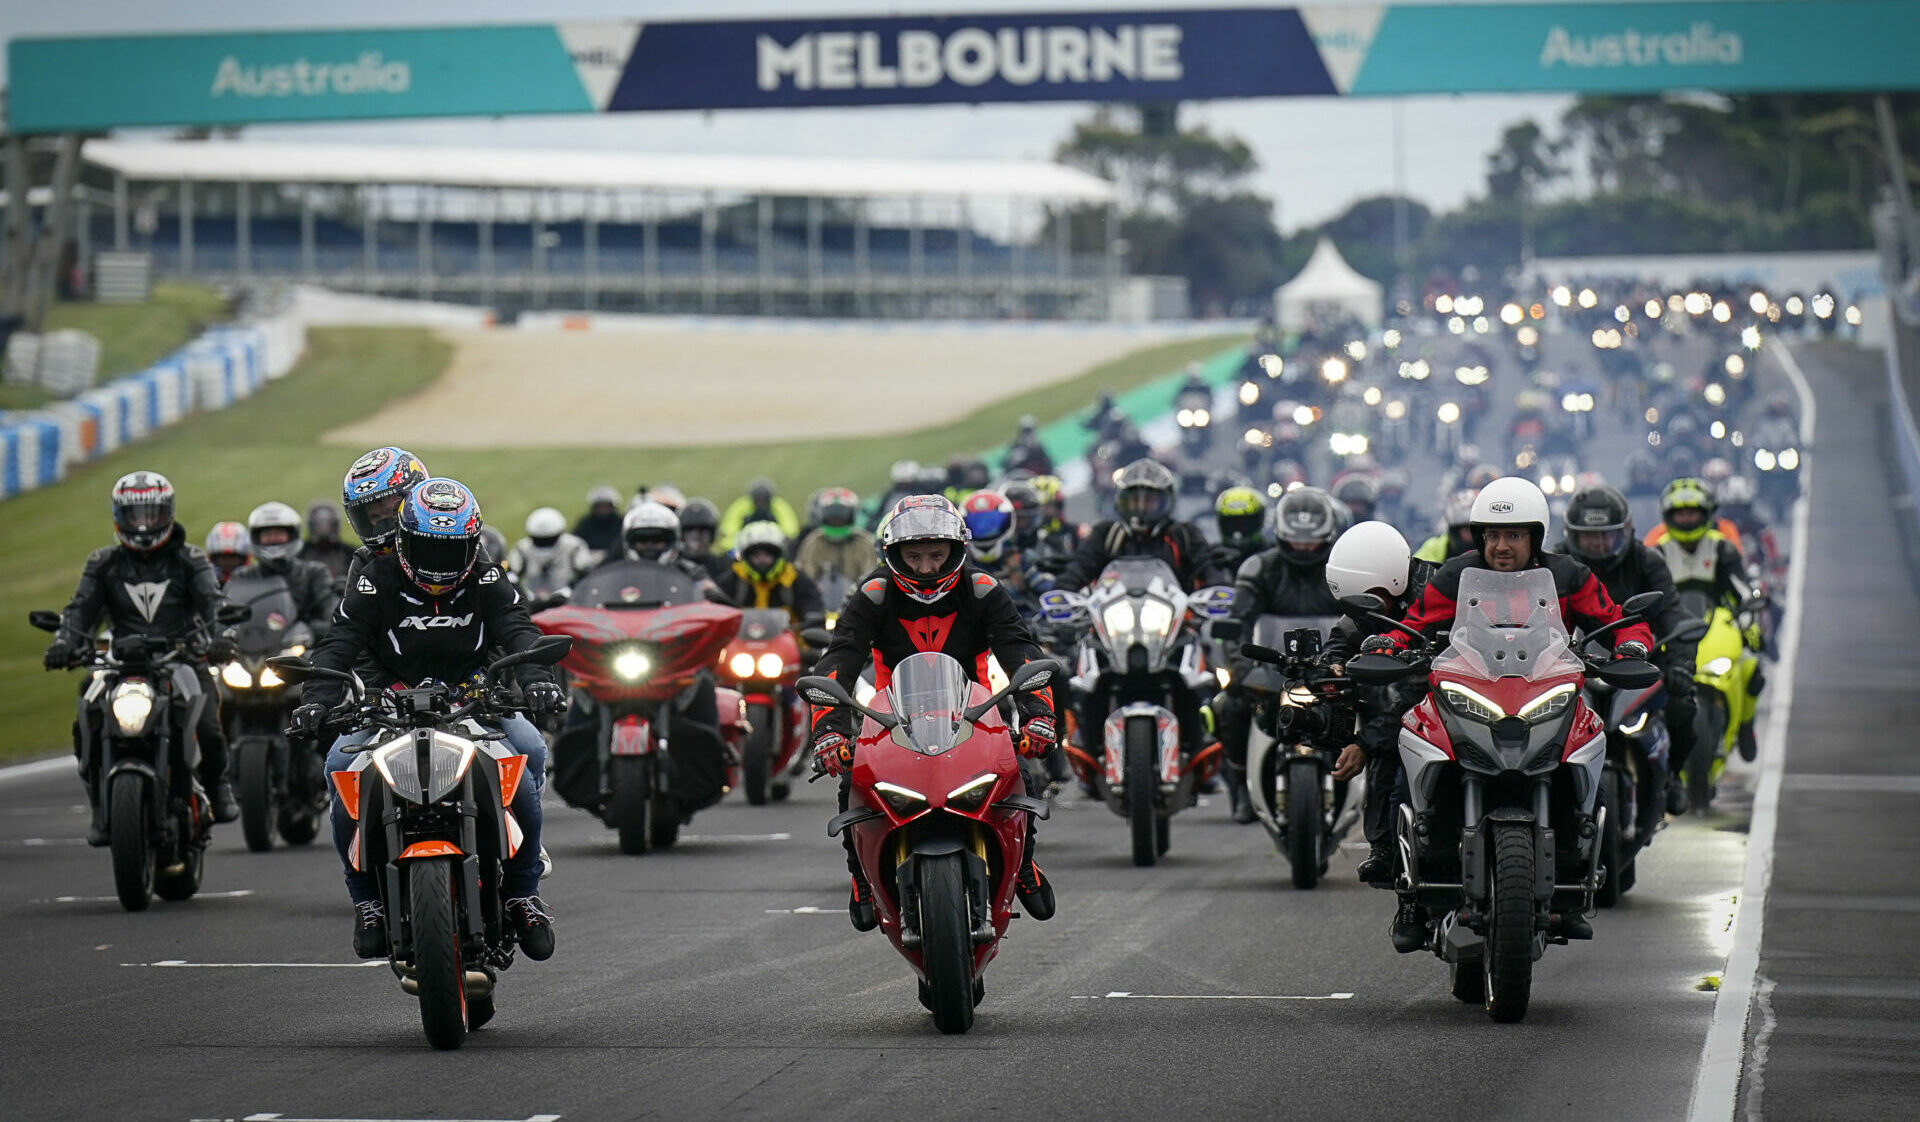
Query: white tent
(1328, 285)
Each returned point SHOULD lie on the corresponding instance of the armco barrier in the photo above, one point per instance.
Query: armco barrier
(222, 366)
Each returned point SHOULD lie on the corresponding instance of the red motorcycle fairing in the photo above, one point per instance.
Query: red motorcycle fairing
(997, 835)
(679, 643)
(758, 637)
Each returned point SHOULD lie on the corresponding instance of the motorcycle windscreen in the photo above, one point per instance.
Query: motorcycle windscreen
(273, 611)
(635, 584)
(1507, 625)
(929, 693)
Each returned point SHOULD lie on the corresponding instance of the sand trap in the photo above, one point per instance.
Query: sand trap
(700, 384)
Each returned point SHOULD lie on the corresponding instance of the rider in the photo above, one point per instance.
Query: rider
(375, 486)
(153, 585)
(759, 504)
(599, 527)
(229, 549)
(1026, 453)
(434, 575)
(1058, 537)
(1145, 527)
(1359, 494)
(1288, 580)
(840, 543)
(762, 577)
(965, 475)
(274, 530)
(1456, 530)
(1510, 520)
(1240, 514)
(1373, 559)
(323, 539)
(548, 559)
(928, 597)
(1703, 561)
(699, 522)
(651, 532)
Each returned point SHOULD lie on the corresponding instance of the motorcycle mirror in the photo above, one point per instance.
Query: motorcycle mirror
(1625, 674)
(1226, 630)
(1261, 653)
(1377, 669)
(546, 650)
(816, 636)
(822, 690)
(1645, 604)
(44, 620)
(231, 614)
(1215, 602)
(1034, 676)
(294, 668)
(1361, 604)
(1691, 631)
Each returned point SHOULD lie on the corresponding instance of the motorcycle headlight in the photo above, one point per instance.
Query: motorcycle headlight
(771, 665)
(236, 676)
(1719, 666)
(1764, 459)
(970, 796)
(1118, 618)
(902, 801)
(1249, 393)
(1334, 370)
(1470, 704)
(632, 665)
(132, 704)
(1156, 617)
(1548, 705)
(741, 664)
(447, 761)
(269, 679)
(1184, 418)
(1202, 418)
(1789, 459)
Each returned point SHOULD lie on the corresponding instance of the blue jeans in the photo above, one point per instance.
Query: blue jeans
(521, 873)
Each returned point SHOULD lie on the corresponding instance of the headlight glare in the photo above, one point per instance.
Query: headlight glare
(902, 801)
(1548, 705)
(970, 796)
(741, 665)
(1156, 616)
(1118, 617)
(1470, 704)
(631, 665)
(132, 704)
(236, 676)
(771, 665)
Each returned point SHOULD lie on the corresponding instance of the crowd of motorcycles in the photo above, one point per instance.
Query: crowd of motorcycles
(941, 802)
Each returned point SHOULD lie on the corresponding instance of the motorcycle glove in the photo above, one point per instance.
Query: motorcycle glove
(544, 699)
(306, 721)
(1378, 644)
(833, 753)
(1037, 737)
(222, 648)
(59, 656)
(1630, 649)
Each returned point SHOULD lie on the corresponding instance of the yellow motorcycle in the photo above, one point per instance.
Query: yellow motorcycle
(1725, 664)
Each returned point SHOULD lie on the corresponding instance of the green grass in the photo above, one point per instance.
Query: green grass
(132, 336)
(223, 464)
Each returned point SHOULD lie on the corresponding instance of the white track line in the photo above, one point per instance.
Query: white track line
(50, 766)
(1716, 1087)
(1122, 995)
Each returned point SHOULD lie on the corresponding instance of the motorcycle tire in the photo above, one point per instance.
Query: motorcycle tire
(431, 886)
(1509, 946)
(630, 809)
(306, 801)
(666, 824)
(1613, 849)
(253, 768)
(946, 950)
(300, 823)
(1467, 981)
(1142, 739)
(756, 757)
(1304, 828)
(133, 856)
(1708, 746)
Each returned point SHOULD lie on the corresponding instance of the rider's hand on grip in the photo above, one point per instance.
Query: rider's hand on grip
(833, 753)
(1037, 737)
(1378, 644)
(222, 648)
(544, 699)
(59, 656)
(306, 721)
(1630, 649)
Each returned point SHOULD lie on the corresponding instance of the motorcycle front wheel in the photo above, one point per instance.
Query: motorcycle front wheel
(431, 885)
(946, 950)
(630, 810)
(132, 854)
(1303, 821)
(1613, 849)
(253, 768)
(757, 755)
(1142, 739)
(1509, 946)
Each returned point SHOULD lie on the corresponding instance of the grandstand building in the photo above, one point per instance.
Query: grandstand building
(542, 229)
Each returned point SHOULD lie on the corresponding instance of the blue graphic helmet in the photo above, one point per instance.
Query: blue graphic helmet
(373, 489)
(438, 539)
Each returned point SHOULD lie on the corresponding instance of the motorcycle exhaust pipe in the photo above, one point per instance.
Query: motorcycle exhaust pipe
(478, 984)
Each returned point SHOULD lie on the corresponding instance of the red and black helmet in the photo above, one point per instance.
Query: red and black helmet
(924, 518)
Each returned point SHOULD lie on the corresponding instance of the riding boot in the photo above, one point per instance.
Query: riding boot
(1241, 801)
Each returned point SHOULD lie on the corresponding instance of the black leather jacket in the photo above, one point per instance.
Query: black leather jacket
(1181, 545)
(162, 594)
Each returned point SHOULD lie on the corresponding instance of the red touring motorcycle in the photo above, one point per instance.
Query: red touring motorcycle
(1504, 764)
(762, 663)
(939, 820)
(429, 794)
(644, 636)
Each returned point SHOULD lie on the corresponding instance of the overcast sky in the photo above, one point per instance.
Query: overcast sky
(1317, 155)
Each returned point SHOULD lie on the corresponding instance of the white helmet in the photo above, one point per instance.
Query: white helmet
(275, 516)
(1370, 555)
(1511, 501)
(545, 524)
(651, 522)
(667, 495)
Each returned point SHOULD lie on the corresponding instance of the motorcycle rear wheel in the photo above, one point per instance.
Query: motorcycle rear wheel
(1303, 821)
(183, 884)
(1613, 849)
(253, 767)
(631, 808)
(1141, 741)
(946, 950)
(436, 951)
(1509, 947)
(133, 857)
(757, 754)
(1708, 746)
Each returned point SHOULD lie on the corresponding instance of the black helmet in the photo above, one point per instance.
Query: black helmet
(1305, 522)
(1599, 526)
(143, 510)
(1359, 494)
(699, 514)
(1143, 496)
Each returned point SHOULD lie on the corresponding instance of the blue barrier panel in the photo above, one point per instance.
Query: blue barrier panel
(9, 461)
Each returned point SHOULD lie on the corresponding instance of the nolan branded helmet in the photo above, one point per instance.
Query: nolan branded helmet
(924, 518)
(438, 539)
(1371, 557)
(375, 488)
(1511, 501)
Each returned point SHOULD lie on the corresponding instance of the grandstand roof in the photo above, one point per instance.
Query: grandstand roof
(521, 168)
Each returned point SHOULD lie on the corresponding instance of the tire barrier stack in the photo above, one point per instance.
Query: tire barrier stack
(224, 365)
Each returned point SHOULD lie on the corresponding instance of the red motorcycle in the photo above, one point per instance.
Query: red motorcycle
(631, 750)
(938, 815)
(762, 663)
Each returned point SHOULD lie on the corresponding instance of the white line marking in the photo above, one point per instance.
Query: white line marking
(804, 910)
(103, 899)
(736, 837)
(179, 964)
(1761, 1041)
(1716, 1087)
(37, 768)
(1870, 784)
(1122, 995)
(38, 843)
(285, 1118)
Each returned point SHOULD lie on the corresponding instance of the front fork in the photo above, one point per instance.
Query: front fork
(905, 856)
(1414, 833)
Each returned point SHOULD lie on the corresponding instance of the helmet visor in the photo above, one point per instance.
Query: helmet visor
(376, 519)
(438, 561)
(1598, 545)
(1143, 504)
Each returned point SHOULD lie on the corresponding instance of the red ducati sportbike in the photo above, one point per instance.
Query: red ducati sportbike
(939, 819)
(1504, 761)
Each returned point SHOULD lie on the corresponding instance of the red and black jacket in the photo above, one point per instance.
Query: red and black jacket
(879, 622)
(1584, 602)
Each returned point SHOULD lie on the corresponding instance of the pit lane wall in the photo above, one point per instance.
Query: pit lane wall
(224, 365)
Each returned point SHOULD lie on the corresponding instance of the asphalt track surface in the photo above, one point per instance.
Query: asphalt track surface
(722, 980)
